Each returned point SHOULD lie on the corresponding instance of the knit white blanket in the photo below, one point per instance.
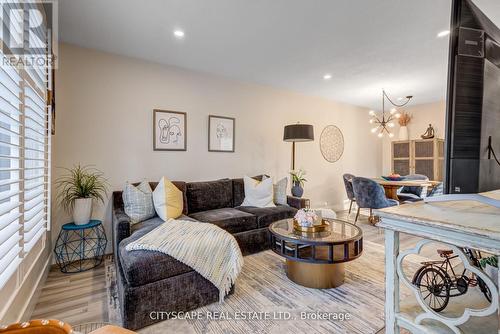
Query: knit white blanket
(208, 249)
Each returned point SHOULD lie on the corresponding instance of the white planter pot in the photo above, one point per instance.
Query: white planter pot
(82, 211)
(403, 133)
(492, 272)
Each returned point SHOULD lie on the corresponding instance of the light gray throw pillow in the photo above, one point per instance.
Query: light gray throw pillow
(279, 189)
(138, 202)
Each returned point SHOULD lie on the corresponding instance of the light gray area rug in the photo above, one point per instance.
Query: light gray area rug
(264, 287)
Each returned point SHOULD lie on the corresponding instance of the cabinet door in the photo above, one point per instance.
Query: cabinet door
(401, 157)
(424, 151)
(425, 167)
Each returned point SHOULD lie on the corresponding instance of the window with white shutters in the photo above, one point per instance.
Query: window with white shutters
(24, 156)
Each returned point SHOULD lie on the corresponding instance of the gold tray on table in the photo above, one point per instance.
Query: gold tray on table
(310, 229)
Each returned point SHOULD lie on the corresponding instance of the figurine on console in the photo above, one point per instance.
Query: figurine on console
(429, 133)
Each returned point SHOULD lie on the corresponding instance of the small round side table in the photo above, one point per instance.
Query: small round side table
(80, 247)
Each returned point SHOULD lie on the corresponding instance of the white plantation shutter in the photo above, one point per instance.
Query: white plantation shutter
(10, 171)
(35, 160)
(24, 158)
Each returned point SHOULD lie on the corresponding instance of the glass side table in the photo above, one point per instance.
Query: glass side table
(80, 247)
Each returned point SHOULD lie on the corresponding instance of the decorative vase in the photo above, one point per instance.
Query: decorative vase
(403, 133)
(82, 211)
(297, 189)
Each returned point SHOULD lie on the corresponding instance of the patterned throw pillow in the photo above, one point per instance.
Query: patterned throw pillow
(138, 202)
(167, 200)
(279, 189)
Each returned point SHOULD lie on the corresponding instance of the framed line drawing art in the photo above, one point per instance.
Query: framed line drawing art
(220, 134)
(169, 130)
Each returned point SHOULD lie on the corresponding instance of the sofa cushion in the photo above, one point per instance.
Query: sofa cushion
(266, 216)
(203, 196)
(229, 219)
(142, 267)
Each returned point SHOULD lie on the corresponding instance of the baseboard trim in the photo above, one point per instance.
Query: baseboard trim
(30, 303)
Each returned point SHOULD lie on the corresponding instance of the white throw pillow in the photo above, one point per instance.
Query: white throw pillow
(258, 194)
(279, 189)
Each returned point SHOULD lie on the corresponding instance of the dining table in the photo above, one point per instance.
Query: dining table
(391, 186)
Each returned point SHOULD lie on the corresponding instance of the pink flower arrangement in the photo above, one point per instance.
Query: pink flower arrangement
(306, 217)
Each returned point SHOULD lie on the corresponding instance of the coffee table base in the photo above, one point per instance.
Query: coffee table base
(315, 275)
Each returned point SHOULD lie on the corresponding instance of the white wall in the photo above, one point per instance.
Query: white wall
(423, 115)
(104, 118)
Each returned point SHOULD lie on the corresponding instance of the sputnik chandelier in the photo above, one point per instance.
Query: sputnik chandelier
(385, 122)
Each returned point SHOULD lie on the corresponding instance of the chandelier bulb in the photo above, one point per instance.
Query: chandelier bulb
(380, 135)
(391, 135)
(371, 113)
(374, 130)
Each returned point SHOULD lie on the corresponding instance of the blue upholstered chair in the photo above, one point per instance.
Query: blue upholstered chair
(413, 194)
(348, 189)
(370, 195)
(438, 190)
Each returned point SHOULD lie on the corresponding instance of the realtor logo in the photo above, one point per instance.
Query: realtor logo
(29, 33)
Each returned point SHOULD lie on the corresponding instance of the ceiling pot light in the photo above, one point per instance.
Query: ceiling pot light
(327, 76)
(443, 33)
(179, 34)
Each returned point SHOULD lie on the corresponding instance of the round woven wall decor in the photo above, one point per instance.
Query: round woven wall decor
(331, 143)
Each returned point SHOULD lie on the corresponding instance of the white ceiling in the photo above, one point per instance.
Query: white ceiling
(366, 45)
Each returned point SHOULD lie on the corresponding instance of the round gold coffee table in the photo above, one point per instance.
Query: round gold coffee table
(316, 260)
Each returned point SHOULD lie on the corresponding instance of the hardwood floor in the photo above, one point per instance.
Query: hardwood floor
(74, 298)
(81, 298)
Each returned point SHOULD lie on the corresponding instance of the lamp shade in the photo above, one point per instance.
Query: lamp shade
(298, 132)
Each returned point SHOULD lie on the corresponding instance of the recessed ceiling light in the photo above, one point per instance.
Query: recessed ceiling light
(327, 76)
(179, 34)
(443, 33)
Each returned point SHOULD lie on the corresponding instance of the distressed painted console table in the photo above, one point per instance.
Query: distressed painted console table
(469, 224)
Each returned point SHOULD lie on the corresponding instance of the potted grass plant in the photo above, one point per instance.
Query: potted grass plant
(77, 189)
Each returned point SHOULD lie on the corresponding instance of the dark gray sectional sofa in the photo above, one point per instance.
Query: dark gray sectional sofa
(151, 281)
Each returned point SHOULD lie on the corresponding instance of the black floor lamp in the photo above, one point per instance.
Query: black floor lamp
(297, 133)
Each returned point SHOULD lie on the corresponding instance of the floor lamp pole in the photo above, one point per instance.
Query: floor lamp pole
(293, 155)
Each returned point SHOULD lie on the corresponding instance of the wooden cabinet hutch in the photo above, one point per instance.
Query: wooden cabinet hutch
(420, 156)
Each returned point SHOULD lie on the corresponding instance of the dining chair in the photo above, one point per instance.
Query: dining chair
(370, 195)
(348, 189)
(436, 191)
(408, 193)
